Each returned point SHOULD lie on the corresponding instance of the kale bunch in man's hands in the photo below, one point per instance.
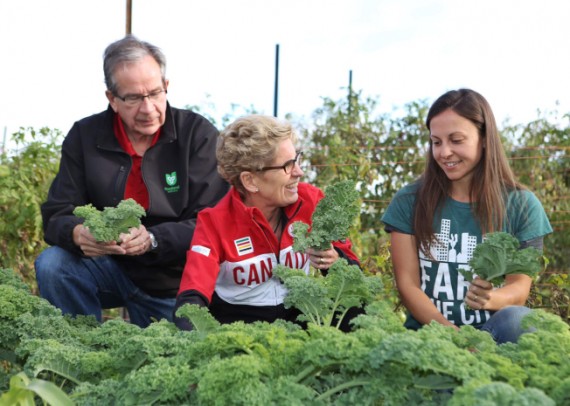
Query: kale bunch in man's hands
(108, 224)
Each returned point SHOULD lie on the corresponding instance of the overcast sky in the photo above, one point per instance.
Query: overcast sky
(514, 52)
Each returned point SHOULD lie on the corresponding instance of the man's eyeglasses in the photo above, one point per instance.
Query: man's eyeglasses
(137, 99)
(287, 166)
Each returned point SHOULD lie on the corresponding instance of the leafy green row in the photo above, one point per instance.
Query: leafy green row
(379, 362)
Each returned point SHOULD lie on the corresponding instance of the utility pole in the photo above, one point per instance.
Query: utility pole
(349, 92)
(128, 29)
(276, 80)
(3, 146)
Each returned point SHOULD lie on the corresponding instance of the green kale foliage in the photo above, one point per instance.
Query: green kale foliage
(499, 255)
(325, 300)
(16, 300)
(7, 277)
(108, 224)
(333, 217)
(499, 393)
(379, 362)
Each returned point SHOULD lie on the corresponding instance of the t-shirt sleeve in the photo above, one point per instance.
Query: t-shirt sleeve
(529, 220)
(399, 213)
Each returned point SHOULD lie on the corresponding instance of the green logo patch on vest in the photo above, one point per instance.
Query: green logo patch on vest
(171, 178)
(171, 181)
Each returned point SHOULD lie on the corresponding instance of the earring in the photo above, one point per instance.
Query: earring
(256, 189)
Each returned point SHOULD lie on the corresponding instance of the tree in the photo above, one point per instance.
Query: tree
(540, 160)
(25, 177)
(348, 140)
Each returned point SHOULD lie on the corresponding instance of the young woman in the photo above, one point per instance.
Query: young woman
(467, 190)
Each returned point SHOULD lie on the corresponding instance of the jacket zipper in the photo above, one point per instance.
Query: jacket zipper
(120, 182)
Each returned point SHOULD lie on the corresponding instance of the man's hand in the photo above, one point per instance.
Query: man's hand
(90, 247)
(136, 242)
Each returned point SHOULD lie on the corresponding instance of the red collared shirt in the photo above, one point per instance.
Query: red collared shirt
(135, 189)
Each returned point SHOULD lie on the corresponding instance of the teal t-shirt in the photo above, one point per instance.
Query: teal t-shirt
(457, 234)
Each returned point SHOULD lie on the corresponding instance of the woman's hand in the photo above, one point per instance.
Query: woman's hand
(322, 259)
(514, 291)
(479, 294)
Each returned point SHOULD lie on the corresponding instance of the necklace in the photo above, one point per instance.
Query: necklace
(277, 227)
(279, 221)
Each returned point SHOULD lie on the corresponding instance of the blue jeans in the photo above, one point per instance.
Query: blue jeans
(505, 324)
(80, 285)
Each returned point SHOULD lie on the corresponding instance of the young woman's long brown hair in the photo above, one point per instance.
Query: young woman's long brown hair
(492, 177)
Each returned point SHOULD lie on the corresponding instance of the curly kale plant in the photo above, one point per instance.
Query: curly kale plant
(499, 255)
(108, 224)
(499, 393)
(333, 217)
(320, 299)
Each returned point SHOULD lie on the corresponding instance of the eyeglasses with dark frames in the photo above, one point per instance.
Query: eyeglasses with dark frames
(137, 99)
(287, 166)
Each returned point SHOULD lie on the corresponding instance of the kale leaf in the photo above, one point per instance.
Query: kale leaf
(499, 255)
(333, 217)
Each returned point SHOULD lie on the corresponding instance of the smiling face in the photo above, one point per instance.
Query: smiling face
(457, 148)
(140, 78)
(275, 188)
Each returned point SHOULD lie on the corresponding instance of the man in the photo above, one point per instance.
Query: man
(140, 148)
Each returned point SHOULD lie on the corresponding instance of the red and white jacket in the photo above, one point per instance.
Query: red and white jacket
(234, 251)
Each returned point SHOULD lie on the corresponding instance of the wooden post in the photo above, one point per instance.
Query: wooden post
(128, 29)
